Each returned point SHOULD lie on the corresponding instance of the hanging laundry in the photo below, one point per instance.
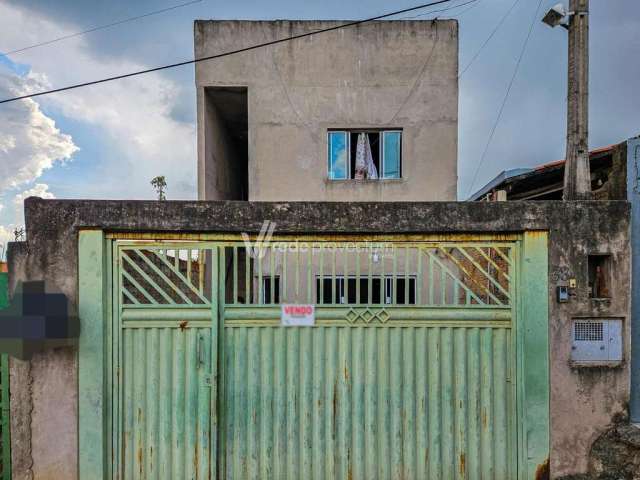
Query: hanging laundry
(365, 168)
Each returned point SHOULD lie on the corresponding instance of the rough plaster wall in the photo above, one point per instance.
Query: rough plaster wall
(383, 74)
(54, 437)
(21, 407)
(583, 403)
(633, 190)
(615, 188)
(200, 128)
(20, 381)
(44, 391)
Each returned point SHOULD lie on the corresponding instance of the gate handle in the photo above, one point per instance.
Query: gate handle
(200, 351)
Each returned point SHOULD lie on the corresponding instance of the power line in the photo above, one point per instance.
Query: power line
(226, 54)
(504, 101)
(442, 10)
(100, 27)
(458, 15)
(417, 79)
(477, 54)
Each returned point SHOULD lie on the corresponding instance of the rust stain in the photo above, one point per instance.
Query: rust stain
(537, 233)
(183, 325)
(484, 418)
(195, 461)
(462, 464)
(346, 374)
(542, 471)
(139, 415)
(335, 407)
(140, 460)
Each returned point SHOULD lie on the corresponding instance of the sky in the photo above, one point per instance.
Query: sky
(109, 140)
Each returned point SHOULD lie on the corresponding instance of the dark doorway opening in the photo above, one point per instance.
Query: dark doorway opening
(226, 143)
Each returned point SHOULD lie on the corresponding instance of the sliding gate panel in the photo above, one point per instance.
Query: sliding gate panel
(407, 372)
(365, 402)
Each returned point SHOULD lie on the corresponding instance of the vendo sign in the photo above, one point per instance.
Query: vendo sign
(297, 315)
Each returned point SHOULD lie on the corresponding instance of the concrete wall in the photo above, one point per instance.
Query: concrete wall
(391, 74)
(44, 391)
(584, 402)
(633, 193)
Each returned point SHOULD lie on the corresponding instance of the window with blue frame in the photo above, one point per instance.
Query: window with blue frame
(385, 147)
(391, 149)
(338, 155)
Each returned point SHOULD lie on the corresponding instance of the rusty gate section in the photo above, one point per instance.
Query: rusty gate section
(409, 370)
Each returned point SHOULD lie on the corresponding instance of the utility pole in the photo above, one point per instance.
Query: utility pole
(577, 173)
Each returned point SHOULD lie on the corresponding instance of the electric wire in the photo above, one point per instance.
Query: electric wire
(225, 54)
(504, 101)
(484, 44)
(417, 80)
(442, 10)
(458, 15)
(100, 27)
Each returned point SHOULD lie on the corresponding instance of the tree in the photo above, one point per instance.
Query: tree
(159, 183)
(18, 234)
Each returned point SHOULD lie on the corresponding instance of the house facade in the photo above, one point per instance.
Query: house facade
(284, 122)
(373, 330)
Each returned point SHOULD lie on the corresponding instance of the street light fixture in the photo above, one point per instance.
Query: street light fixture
(557, 15)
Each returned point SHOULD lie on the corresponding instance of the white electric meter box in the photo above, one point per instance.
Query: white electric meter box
(596, 340)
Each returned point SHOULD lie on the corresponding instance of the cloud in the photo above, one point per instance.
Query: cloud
(7, 231)
(6, 236)
(134, 117)
(30, 142)
(39, 190)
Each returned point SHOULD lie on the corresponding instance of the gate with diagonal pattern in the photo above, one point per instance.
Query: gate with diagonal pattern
(408, 372)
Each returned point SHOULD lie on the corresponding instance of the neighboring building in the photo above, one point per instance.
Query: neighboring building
(545, 182)
(282, 122)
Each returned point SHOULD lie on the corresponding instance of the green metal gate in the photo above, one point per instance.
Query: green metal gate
(162, 346)
(410, 370)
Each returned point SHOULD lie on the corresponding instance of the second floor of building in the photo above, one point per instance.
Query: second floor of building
(364, 113)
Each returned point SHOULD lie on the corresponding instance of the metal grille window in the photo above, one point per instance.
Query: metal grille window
(378, 273)
(327, 294)
(589, 332)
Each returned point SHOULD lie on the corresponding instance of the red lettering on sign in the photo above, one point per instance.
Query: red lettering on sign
(298, 310)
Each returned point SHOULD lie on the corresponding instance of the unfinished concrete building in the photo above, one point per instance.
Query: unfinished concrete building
(434, 340)
(284, 122)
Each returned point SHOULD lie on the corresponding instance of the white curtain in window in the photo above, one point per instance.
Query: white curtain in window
(365, 167)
